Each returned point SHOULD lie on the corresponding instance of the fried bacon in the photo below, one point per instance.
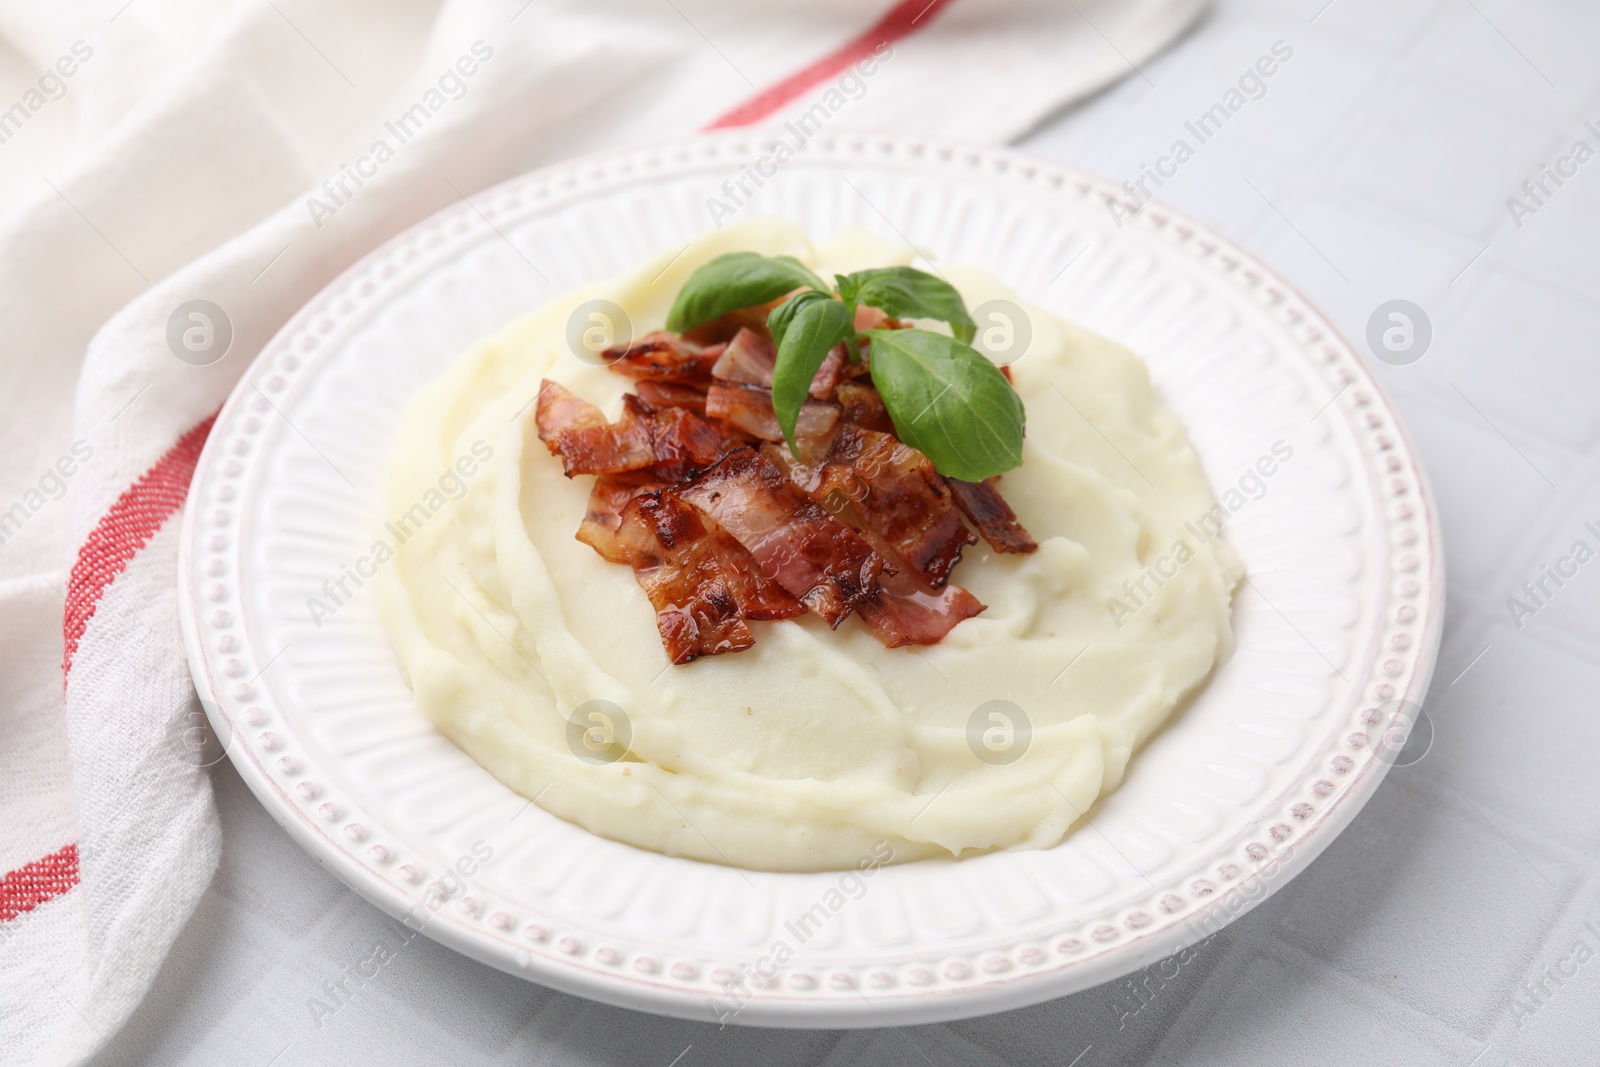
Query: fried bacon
(983, 505)
(915, 616)
(827, 565)
(575, 430)
(668, 443)
(900, 497)
(863, 406)
(758, 594)
(664, 357)
(748, 409)
(658, 396)
(755, 594)
(748, 359)
(908, 611)
(683, 442)
(611, 449)
(674, 560)
(720, 533)
(610, 495)
(558, 409)
(829, 374)
(751, 356)
(891, 490)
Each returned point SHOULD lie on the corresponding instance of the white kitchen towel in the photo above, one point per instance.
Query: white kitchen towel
(158, 152)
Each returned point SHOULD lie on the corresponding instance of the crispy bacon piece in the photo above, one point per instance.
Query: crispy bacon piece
(673, 559)
(829, 373)
(668, 443)
(863, 406)
(758, 594)
(897, 495)
(658, 396)
(907, 612)
(982, 503)
(804, 470)
(917, 617)
(633, 407)
(610, 449)
(575, 430)
(748, 408)
(610, 495)
(747, 360)
(750, 358)
(664, 357)
(683, 442)
(812, 555)
(559, 409)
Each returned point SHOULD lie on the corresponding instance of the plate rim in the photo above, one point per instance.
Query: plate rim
(583, 176)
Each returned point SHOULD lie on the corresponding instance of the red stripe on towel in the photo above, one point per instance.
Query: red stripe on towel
(29, 886)
(139, 512)
(905, 18)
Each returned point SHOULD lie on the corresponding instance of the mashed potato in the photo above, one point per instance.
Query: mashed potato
(541, 660)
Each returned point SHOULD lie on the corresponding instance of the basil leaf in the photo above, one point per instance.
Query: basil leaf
(908, 293)
(805, 327)
(948, 402)
(737, 280)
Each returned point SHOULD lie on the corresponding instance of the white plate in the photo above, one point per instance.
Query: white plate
(1245, 787)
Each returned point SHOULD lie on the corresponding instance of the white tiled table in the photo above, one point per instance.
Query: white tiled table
(1444, 926)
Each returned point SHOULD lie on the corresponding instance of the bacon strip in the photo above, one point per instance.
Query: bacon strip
(673, 559)
(748, 408)
(658, 396)
(664, 357)
(758, 594)
(668, 443)
(751, 358)
(897, 495)
(917, 618)
(747, 360)
(982, 503)
(610, 449)
(607, 500)
(808, 552)
(575, 430)
(906, 612)
(805, 471)
(829, 373)
(863, 406)
(559, 409)
(682, 442)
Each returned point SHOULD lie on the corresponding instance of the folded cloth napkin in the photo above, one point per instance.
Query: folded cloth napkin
(157, 152)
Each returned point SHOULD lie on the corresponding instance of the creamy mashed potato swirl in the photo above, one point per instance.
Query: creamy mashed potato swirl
(808, 750)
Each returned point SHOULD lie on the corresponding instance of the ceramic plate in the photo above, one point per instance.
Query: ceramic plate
(1338, 625)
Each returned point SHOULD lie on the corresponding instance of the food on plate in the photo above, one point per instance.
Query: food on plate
(778, 574)
(723, 525)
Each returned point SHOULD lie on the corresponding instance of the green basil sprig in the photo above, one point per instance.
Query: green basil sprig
(805, 327)
(944, 398)
(737, 280)
(908, 293)
(948, 402)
